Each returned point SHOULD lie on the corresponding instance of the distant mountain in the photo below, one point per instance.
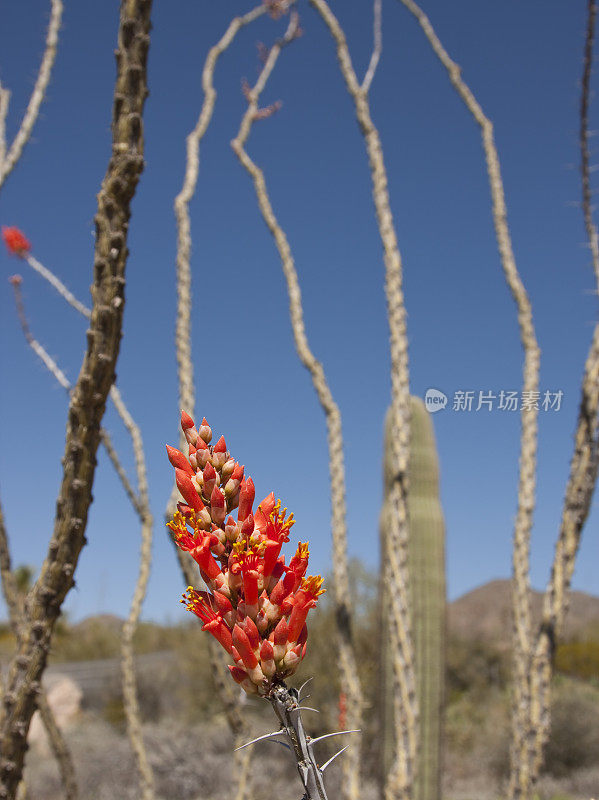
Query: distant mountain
(485, 613)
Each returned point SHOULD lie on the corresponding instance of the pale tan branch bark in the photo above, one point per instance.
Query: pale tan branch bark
(55, 281)
(37, 348)
(115, 460)
(9, 584)
(577, 504)
(185, 372)
(522, 636)
(8, 163)
(378, 45)
(585, 168)
(584, 467)
(181, 205)
(62, 379)
(56, 740)
(401, 778)
(132, 711)
(349, 675)
(88, 399)
(141, 504)
(4, 103)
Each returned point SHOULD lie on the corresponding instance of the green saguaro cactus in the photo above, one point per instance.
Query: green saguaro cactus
(426, 562)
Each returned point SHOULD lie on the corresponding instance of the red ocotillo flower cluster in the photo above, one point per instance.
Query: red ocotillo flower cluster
(15, 241)
(256, 605)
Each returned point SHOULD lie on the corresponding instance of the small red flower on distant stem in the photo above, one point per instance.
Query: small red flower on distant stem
(256, 606)
(16, 242)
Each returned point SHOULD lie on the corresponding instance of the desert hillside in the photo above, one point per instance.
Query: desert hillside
(485, 613)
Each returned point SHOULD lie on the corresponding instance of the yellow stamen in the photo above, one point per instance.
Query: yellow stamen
(312, 585)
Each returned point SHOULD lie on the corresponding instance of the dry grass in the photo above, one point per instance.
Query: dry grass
(193, 762)
(189, 763)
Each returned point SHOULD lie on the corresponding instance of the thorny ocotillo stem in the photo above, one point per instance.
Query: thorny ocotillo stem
(88, 400)
(521, 594)
(185, 367)
(10, 156)
(57, 741)
(62, 379)
(582, 479)
(349, 673)
(140, 502)
(395, 569)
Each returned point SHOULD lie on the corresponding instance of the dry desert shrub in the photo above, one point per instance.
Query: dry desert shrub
(188, 763)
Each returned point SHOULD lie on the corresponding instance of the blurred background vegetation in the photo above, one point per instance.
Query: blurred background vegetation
(176, 691)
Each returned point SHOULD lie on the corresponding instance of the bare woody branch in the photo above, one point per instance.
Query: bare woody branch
(62, 379)
(378, 45)
(584, 467)
(55, 282)
(89, 396)
(529, 418)
(132, 711)
(577, 504)
(4, 101)
(10, 158)
(585, 159)
(401, 779)
(185, 370)
(349, 675)
(13, 601)
(9, 584)
(140, 502)
(192, 167)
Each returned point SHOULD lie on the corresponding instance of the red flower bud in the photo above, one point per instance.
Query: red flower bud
(267, 662)
(191, 435)
(242, 643)
(227, 469)
(178, 460)
(231, 530)
(248, 526)
(209, 478)
(205, 431)
(220, 446)
(247, 493)
(266, 650)
(250, 628)
(218, 512)
(188, 490)
(186, 420)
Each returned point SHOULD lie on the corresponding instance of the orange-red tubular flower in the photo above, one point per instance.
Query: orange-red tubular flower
(255, 605)
(213, 622)
(304, 600)
(15, 241)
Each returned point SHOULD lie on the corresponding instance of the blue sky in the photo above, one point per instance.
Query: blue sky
(525, 70)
